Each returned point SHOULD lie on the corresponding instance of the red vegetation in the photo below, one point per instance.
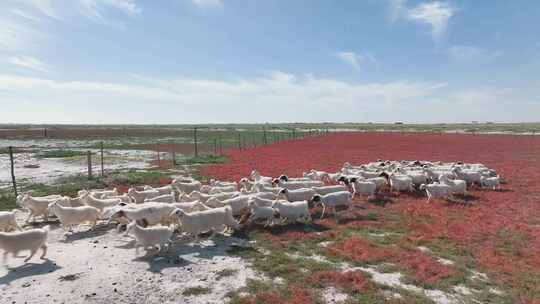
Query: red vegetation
(352, 280)
(298, 295)
(500, 229)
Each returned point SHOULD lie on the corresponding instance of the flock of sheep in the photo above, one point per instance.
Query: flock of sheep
(152, 215)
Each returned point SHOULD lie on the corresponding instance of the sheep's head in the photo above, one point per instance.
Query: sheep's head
(422, 187)
(344, 180)
(283, 191)
(177, 214)
(315, 200)
(284, 177)
(276, 181)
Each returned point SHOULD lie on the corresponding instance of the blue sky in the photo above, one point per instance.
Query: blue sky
(216, 61)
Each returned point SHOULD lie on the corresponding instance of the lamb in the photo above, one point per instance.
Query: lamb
(332, 200)
(162, 190)
(292, 211)
(153, 213)
(159, 237)
(99, 203)
(70, 216)
(261, 213)
(36, 205)
(491, 182)
(8, 221)
(302, 194)
(330, 189)
(140, 196)
(32, 240)
(165, 198)
(436, 190)
(195, 223)
(458, 186)
(187, 186)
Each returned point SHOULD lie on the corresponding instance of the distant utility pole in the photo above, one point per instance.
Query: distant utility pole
(195, 142)
(12, 170)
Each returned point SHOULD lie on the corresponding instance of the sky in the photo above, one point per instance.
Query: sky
(245, 61)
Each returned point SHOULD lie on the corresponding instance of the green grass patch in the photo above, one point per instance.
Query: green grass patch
(7, 200)
(204, 160)
(63, 153)
(196, 291)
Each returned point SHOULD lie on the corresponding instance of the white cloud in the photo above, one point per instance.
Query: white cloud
(435, 14)
(18, 36)
(46, 7)
(24, 14)
(465, 53)
(208, 3)
(356, 60)
(274, 98)
(94, 8)
(28, 62)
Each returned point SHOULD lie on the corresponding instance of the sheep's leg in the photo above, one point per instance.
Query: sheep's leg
(323, 210)
(4, 257)
(29, 216)
(335, 213)
(44, 249)
(32, 253)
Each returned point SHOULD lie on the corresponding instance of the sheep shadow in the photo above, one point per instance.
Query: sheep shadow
(310, 227)
(99, 230)
(181, 249)
(28, 270)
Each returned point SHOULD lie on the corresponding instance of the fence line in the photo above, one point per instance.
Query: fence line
(204, 142)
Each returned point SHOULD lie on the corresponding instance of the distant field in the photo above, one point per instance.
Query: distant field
(230, 131)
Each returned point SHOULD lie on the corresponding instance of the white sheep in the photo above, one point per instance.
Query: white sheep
(256, 176)
(491, 182)
(191, 206)
(330, 189)
(238, 204)
(70, 216)
(195, 223)
(159, 236)
(187, 186)
(162, 190)
(153, 213)
(37, 206)
(380, 182)
(400, 182)
(266, 188)
(436, 190)
(196, 195)
(302, 194)
(8, 221)
(468, 175)
(222, 189)
(293, 185)
(140, 196)
(292, 211)
(332, 200)
(364, 187)
(165, 198)
(458, 186)
(33, 240)
(261, 213)
(100, 204)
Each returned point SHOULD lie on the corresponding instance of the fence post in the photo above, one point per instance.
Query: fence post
(220, 145)
(215, 146)
(265, 140)
(102, 167)
(158, 160)
(45, 132)
(173, 155)
(89, 160)
(239, 141)
(294, 134)
(13, 170)
(195, 141)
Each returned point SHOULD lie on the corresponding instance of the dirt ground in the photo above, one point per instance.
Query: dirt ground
(102, 266)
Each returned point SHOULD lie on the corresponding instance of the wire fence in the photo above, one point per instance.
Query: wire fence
(45, 155)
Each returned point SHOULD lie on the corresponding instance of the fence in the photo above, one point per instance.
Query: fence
(96, 156)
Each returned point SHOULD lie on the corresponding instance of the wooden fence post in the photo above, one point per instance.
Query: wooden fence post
(13, 171)
(239, 141)
(215, 146)
(220, 145)
(195, 142)
(265, 140)
(102, 167)
(158, 160)
(89, 160)
(173, 155)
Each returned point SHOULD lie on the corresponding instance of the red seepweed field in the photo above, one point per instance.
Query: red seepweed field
(492, 232)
